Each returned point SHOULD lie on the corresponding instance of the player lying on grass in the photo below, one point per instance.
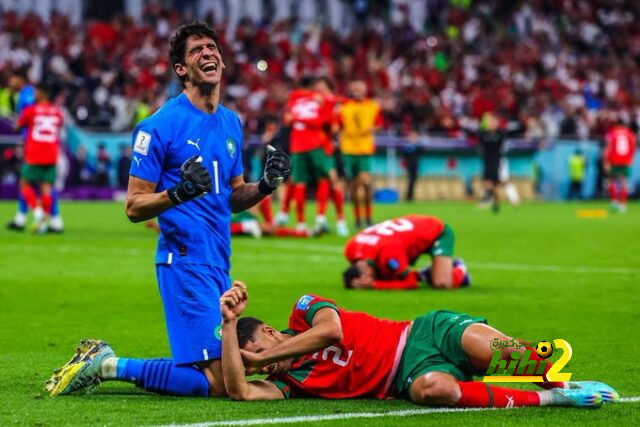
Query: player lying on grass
(333, 353)
(248, 223)
(381, 255)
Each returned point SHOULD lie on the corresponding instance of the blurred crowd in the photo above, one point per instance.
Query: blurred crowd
(548, 67)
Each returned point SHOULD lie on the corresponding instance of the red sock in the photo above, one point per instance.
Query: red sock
(265, 210)
(623, 194)
(547, 384)
(368, 208)
(29, 195)
(289, 232)
(338, 200)
(47, 203)
(289, 192)
(457, 276)
(322, 195)
(356, 211)
(300, 194)
(236, 228)
(612, 190)
(483, 395)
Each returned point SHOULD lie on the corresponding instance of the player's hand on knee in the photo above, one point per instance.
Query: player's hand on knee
(276, 170)
(194, 181)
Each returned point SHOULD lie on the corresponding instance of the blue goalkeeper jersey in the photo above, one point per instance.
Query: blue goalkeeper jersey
(198, 231)
(26, 97)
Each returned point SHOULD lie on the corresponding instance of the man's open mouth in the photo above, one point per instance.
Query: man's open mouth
(209, 66)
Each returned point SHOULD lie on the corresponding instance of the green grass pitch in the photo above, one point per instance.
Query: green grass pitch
(538, 272)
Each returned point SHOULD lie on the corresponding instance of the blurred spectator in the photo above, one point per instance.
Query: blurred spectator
(124, 164)
(577, 168)
(550, 68)
(80, 171)
(103, 166)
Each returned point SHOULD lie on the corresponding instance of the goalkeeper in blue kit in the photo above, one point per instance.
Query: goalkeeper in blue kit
(187, 170)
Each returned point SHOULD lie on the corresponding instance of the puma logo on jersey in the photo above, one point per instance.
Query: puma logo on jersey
(195, 144)
(137, 160)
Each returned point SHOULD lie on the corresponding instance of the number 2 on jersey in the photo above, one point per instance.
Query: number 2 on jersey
(391, 226)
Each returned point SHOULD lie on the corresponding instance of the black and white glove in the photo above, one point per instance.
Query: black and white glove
(276, 170)
(194, 181)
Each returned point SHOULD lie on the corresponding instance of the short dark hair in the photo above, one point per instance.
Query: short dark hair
(353, 272)
(326, 80)
(178, 42)
(21, 73)
(306, 82)
(246, 329)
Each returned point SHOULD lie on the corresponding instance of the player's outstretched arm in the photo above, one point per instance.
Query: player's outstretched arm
(326, 330)
(232, 304)
(276, 170)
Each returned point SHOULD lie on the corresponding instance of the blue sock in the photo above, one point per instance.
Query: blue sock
(55, 209)
(22, 205)
(162, 376)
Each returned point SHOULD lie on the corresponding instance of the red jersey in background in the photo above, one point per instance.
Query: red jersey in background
(621, 146)
(43, 122)
(308, 116)
(362, 364)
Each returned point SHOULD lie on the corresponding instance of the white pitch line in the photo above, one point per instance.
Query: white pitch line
(350, 415)
(328, 254)
(553, 268)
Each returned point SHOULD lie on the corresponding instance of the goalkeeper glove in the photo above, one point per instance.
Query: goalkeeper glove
(194, 182)
(276, 170)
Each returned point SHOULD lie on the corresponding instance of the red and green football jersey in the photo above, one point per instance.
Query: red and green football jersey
(308, 115)
(43, 122)
(362, 364)
(621, 146)
(393, 245)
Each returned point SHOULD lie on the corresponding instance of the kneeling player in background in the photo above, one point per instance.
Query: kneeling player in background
(333, 353)
(247, 223)
(381, 255)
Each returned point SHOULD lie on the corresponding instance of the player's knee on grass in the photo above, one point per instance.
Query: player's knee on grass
(435, 388)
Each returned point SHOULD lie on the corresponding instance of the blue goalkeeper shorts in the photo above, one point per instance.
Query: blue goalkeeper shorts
(191, 297)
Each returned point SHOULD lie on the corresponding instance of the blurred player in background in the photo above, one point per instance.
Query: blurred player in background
(491, 140)
(381, 255)
(26, 96)
(307, 115)
(43, 124)
(186, 170)
(331, 104)
(333, 353)
(618, 158)
(248, 223)
(358, 119)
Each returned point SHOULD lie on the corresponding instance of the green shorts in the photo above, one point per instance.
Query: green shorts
(443, 246)
(38, 173)
(309, 166)
(619, 171)
(355, 164)
(243, 216)
(435, 345)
